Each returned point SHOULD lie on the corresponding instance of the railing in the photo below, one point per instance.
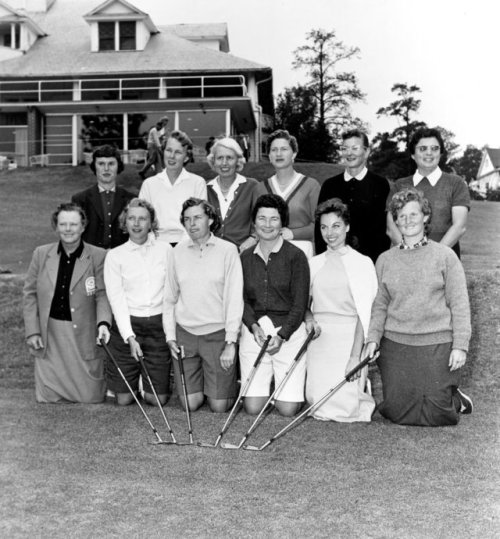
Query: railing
(121, 89)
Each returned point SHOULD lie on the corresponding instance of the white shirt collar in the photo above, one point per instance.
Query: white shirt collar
(277, 246)
(210, 241)
(433, 177)
(184, 175)
(151, 240)
(358, 176)
(103, 190)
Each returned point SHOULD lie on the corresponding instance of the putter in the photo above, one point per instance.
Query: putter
(146, 372)
(239, 399)
(288, 374)
(132, 392)
(312, 407)
(186, 403)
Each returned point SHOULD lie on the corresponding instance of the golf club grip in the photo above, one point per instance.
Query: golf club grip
(305, 344)
(358, 367)
(262, 351)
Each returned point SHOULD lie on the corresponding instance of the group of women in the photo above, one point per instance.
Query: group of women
(410, 313)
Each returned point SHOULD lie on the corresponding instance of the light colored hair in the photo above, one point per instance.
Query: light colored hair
(139, 203)
(230, 144)
(402, 198)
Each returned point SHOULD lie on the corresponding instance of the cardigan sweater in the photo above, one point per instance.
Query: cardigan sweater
(302, 204)
(422, 298)
(361, 277)
(237, 225)
(366, 199)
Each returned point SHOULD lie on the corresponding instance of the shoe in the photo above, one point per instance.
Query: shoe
(466, 405)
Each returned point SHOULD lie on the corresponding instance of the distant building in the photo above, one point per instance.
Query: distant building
(75, 71)
(488, 175)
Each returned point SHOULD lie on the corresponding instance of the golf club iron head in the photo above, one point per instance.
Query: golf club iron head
(253, 447)
(227, 445)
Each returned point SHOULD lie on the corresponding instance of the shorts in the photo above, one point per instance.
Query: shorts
(202, 369)
(276, 365)
(151, 338)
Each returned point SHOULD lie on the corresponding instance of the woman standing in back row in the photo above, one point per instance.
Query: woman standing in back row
(297, 190)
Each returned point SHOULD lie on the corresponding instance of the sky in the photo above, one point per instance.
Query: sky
(446, 47)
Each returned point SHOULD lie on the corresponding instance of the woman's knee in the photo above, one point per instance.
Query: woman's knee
(288, 409)
(150, 399)
(124, 399)
(254, 405)
(219, 406)
(195, 401)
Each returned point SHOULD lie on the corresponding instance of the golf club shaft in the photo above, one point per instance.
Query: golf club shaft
(288, 374)
(317, 404)
(146, 372)
(244, 389)
(132, 392)
(184, 391)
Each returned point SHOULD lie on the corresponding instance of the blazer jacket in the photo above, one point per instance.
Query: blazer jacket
(88, 302)
(90, 201)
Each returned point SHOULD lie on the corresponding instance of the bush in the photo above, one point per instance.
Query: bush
(494, 195)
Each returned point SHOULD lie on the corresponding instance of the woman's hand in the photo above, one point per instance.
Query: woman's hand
(35, 342)
(258, 334)
(457, 359)
(312, 325)
(228, 356)
(286, 233)
(352, 364)
(135, 348)
(103, 334)
(174, 349)
(249, 242)
(274, 345)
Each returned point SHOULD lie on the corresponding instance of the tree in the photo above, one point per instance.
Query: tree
(403, 109)
(468, 164)
(332, 89)
(296, 111)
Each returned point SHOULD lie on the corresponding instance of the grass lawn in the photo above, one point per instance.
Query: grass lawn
(90, 471)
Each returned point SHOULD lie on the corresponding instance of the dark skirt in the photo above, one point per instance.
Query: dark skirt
(417, 384)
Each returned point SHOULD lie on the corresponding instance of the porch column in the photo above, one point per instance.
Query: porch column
(228, 122)
(74, 140)
(125, 131)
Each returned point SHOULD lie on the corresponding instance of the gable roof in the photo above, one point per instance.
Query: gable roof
(66, 50)
(103, 12)
(494, 155)
(15, 15)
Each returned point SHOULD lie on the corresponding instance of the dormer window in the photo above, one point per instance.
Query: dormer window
(117, 36)
(10, 35)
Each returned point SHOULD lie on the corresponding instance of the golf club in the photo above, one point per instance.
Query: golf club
(276, 391)
(146, 372)
(312, 407)
(180, 359)
(241, 396)
(132, 392)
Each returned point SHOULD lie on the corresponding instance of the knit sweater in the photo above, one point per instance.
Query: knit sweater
(302, 204)
(422, 298)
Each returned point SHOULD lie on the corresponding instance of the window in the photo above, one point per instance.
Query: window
(127, 35)
(106, 36)
(120, 35)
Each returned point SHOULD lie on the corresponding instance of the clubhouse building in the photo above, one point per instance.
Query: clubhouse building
(78, 73)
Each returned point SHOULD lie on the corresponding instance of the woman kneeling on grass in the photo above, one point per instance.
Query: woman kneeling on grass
(421, 320)
(343, 287)
(276, 292)
(134, 274)
(65, 310)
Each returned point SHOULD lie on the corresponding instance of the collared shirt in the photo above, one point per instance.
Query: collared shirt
(204, 289)
(107, 202)
(283, 193)
(420, 243)
(278, 289)
(60, 308)
(167, 200)
(359, 177)
(226, 201)
(134, 276)
(433, 177)
(276, 247)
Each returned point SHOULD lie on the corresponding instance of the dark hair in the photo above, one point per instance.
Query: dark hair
(341, 210)
(184, 141)
(271, 201)
(207, 208)
(284, 134)
(401, 199)
(351, 133)
(106, 151)
(425, 132)
(139, 203)
(68, 206)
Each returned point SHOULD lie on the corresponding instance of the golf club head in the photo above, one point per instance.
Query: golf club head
(185, 443)
(252, 448)
(206, 444)
(226, 445)
(156, 442)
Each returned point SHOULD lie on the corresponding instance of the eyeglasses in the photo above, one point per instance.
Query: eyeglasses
(423, 149)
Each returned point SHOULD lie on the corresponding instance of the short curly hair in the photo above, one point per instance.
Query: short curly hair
(68, 206)
(272, 201)
(209, 210)
(284, 134)
(139, 203)
(184, 141)
(402, 198)
(230, 144)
